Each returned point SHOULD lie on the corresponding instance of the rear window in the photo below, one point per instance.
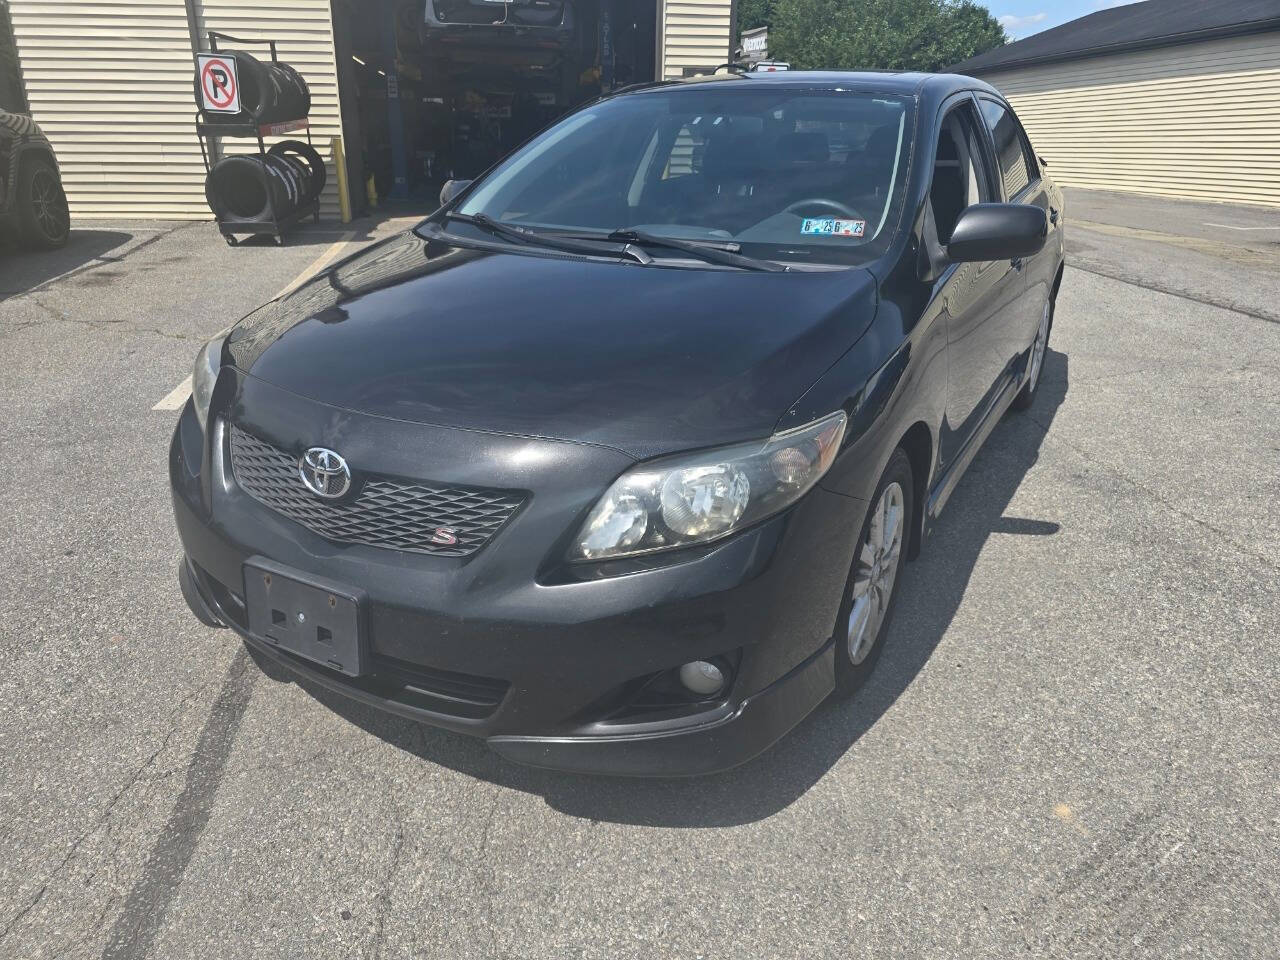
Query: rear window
(789, 174)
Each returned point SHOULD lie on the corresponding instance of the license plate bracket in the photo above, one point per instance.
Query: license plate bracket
(316, 619)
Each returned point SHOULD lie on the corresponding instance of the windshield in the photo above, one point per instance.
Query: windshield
(788, 174)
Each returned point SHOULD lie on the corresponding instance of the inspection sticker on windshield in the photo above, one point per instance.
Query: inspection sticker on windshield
(831, 227)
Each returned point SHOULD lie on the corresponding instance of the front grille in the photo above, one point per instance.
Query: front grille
(384, 512)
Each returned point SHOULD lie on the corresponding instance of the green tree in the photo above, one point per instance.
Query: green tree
(755, 13)
(880, 34)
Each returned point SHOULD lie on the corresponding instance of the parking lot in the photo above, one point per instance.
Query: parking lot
(1070, 747)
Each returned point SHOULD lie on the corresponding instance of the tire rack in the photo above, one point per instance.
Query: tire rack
(274, 225)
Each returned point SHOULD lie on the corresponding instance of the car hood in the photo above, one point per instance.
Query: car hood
(644, 359)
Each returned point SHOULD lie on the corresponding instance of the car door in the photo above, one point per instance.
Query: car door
(977, 297)
(1021, 182)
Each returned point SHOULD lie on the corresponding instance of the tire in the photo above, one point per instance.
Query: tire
(1039, 348)
(41, 205)
(237, 194)
(269, 92)
(865, 611)
(309, 157)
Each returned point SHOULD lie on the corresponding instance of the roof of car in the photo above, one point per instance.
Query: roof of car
(1153, 23)
(938, 84)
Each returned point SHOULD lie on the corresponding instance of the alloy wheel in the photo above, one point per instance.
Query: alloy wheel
(49, 205)
(1038, 350)
(877, 570)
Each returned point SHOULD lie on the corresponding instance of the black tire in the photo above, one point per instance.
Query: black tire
(1027, 395)
(309, 157)
(41, 205)
(852, 673)
(237, 193)
(269, 92)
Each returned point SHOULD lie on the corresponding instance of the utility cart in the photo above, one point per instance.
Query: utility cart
(273, 221)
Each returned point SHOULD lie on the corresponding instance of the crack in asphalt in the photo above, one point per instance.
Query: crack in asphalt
(148, 901)
(1089, 266)
(57, 316)
(133, 780)
(481, 850)
(383, 897)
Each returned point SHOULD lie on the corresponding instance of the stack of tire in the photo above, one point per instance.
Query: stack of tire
(237, 186)
(248, 188)
(269, 92)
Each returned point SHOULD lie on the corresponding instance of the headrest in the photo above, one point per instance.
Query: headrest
(804, 148)
(880, 148)
(734, 156)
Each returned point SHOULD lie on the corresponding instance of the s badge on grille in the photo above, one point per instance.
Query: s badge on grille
(325, 473)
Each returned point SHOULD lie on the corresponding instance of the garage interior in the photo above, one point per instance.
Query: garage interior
(434, 90)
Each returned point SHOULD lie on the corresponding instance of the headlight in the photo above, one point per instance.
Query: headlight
(695, 498)
(204, 376)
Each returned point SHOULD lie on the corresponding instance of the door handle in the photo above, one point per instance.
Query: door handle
(1053, 215)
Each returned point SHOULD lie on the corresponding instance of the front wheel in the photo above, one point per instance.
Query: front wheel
(872, 588)
(42, 206)
(1039, 347)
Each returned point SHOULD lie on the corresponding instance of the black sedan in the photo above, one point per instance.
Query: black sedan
(615, 460)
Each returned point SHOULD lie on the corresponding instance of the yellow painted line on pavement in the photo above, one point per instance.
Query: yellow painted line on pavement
(175, 398)
(319, 263)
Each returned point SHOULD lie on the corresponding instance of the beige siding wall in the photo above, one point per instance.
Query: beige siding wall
(110, 84)
(303, 31)
(1200, 121)
(695, 33)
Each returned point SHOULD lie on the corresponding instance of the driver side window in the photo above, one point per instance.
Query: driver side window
(960, 172)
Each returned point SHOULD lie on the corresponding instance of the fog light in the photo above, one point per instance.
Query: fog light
(702, 678)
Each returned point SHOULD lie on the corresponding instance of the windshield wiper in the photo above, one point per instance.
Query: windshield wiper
(710, 250)
(539, 239)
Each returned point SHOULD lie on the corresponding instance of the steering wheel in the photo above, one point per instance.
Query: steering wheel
(828, 206)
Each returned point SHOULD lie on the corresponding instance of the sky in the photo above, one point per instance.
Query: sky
(1022, 18)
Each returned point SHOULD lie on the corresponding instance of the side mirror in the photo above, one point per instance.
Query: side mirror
(451, 189)
(998, 231)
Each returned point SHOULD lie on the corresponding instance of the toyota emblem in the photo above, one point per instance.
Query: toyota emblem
(325, 473)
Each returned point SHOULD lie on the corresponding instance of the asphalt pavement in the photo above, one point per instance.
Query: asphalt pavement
(1069, 749)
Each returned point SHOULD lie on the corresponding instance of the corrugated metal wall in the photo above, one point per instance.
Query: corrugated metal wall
(303, 31)
(110, 84)
(695, 34)
(1200, 121)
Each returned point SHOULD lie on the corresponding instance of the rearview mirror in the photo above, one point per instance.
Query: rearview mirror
(998, 231)
(451, 189)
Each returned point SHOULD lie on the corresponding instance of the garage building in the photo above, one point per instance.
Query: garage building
(1179, 98)
(417, 90)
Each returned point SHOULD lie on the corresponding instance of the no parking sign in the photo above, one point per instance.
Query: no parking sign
(219, 85)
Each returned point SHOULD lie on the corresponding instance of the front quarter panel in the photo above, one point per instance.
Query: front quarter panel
(893, 378)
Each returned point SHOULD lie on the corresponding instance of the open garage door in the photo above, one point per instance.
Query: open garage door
(439, 89)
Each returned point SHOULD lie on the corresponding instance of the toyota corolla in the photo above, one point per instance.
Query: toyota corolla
(615, 459)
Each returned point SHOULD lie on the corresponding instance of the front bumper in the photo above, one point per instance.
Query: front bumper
(506, 645)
